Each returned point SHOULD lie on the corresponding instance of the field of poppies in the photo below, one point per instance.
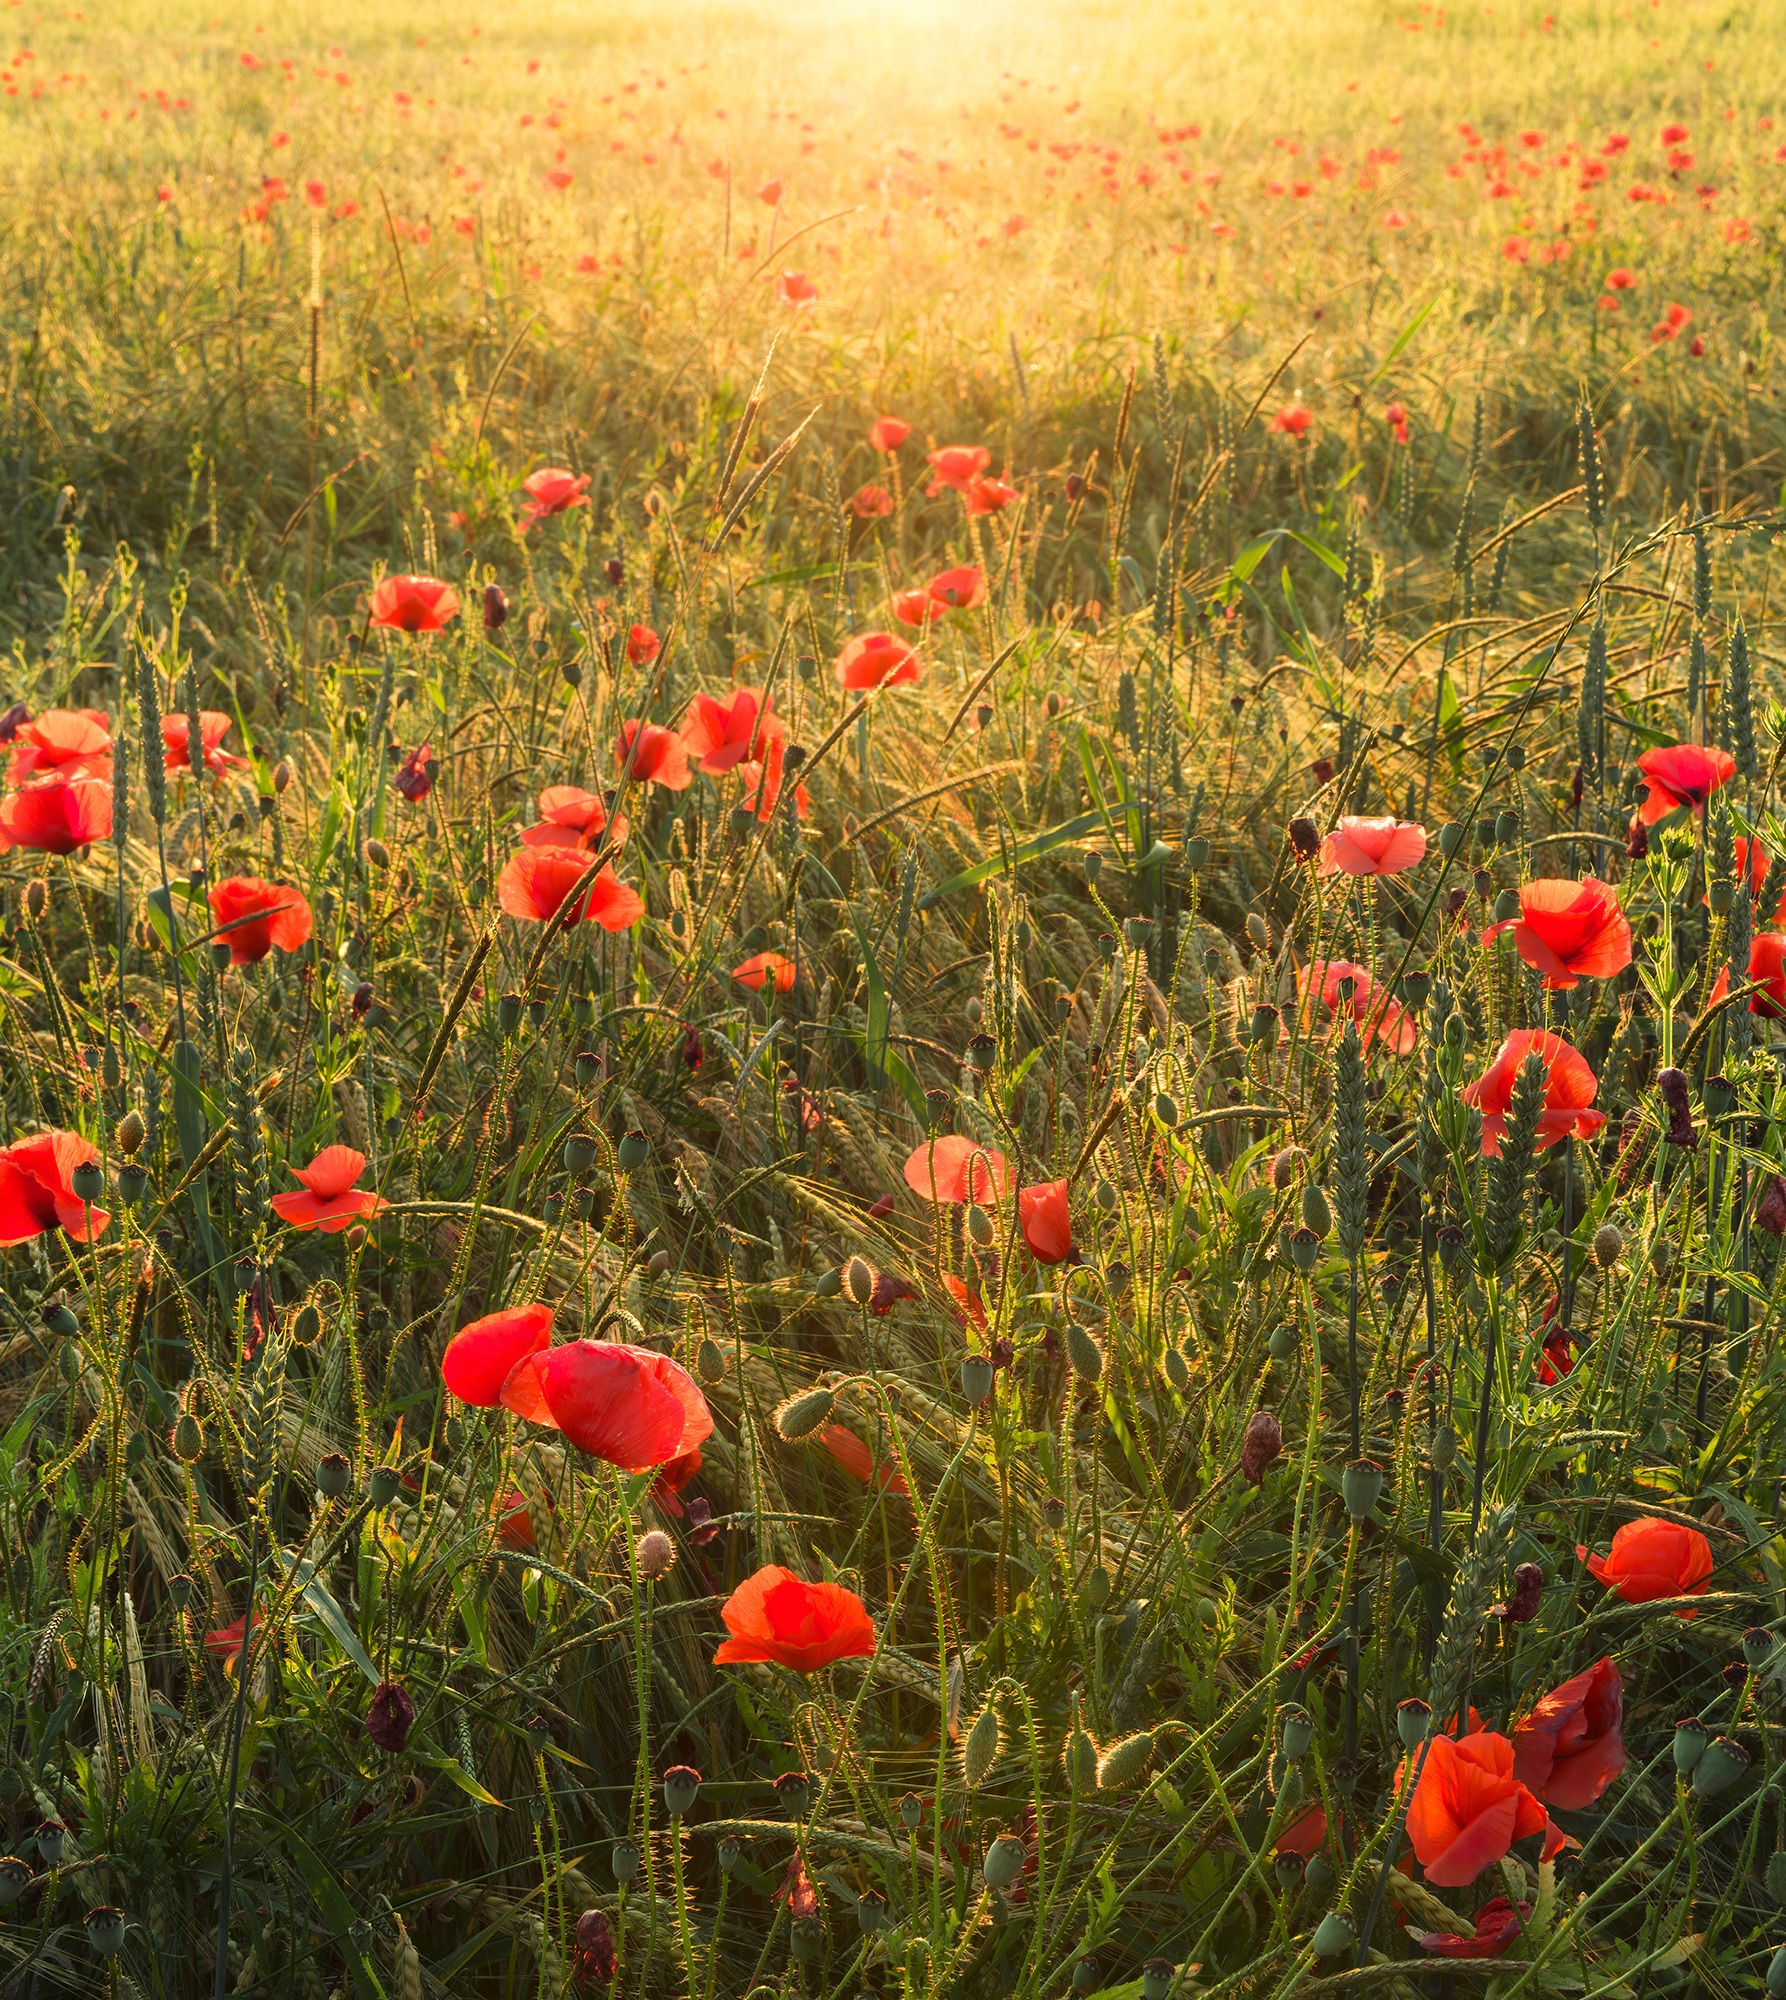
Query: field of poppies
(892, 998)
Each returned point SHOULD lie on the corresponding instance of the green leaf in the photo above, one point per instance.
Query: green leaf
(907, 1084)
(1399, 347)
(332, 1905)
(318, 1596)
(805, 573)
(457, 1774)
(879, 1010)
(1002, 864)
(1336, 563)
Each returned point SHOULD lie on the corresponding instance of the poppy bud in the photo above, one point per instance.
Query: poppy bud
(1333, 1935)
(130, 1134)
(378, 854)
(334, 1474)
(1361, 1486)
(1177, 1369)
(1083, 1353)
(188, 1438)
(37, 898)
(1165, 1109)
(980, 1227)
(793, 1791)
(88, 1180)
(802, 1414)
(1263, 1441)
(654, 1552)
(1305, 1250)
(828, 1284)
(682, 1786)
(624, 1860)
(1723, 1763)
(1411, 1721)
(632, 1152)
(1776, 1876)
(1258, 930)
(1316, 1216)
(1305, 837)
(1281, 1344)
(383, 1484)
(496, 608)
(1051, 705)
(1299, 1732)
(1609, 1245)
(1104, 1196)
(1690, 1738)
(105, 1930)
(976, 1378)
(1124, 1762)
(710, 1360)
(1662, 1257)
(1097, 1587)
(858, 1280)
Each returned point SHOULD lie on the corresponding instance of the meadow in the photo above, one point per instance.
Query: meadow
(892, 998)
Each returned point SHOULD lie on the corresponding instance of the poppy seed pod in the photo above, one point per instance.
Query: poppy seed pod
(1003, 1863)
(871, 1912)
(1333, 1935)
(911, 1811)
(579, 1153)
(132, 1183)
(1054, 1513)
(88, 1181)
(632, 1152)
(793, 1791)
(727, 1855)
(15, 1878)
(587, 1068)
(1776, 1974)
(828, 1284)
(982, 1053)
(1299, 1732)
(1507, 906)
(383, 1484)
(858, 1281)
(1305, 1250)
(1094, 866)
(624, 1860)
(1085, 1974)
(51, 1837)
(802, 1414)
(1452, 836)
(334, 1474)
(682, 1786)
(496, 608)
(508, 1013)
(1723, 1763)
(1361, 1486)
(655, 1554)
(1305, 837)
(1177, 1369)
(1609, 1245)
(1412, 1719)
(976, 1378)
(105, 1930)
(1758, 1647)
(1281, 1343)
(1288, 1868)
(1196, 853)
(1083, 1352)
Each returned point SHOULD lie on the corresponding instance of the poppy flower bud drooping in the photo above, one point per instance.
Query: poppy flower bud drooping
(496, 608)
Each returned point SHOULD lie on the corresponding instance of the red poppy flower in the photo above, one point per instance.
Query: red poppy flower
(515, 1528)
(37, 1188)
(1753, 859)
(1497, 1925)
(1379, 1017)
(889, 1289)
(56, 815)
(764, 967)
(853, 1455)
(1304, 1835)
(571, 818)
(226, 1641)
(1653, 1558)
(551, 491)
(176, 729)
(329, 1201)
(971, 1308)
(988, 496)
(795, 288)
(1569, 931)
(889, 433)
(876, 659)
(871, 503)
(957, 466)
(76, 742)
(1569, 1089)
(961, 589)
(661, 757)
(762, 785)
(672, 1477)
(1682, 774)
(1572, 1745)
(1767, 967)
(1396, 417)
(252, 916)
(1292, 420)
(626, 1405)
(558, 178)
(1468, 1808)
(1372, 847)
(720, 734)
(536, 882)
(775, 1615)
(482, 1356)
(1620, 280)
(642, 645)
(916, 607)
(955, 1169)
(1046, 1222)
(414, 604)
(415, 775)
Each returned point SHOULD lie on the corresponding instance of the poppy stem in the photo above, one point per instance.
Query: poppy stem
(244, 1665)
(1490, 1360)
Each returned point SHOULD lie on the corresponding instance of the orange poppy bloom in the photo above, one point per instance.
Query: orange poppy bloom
(762, 785)
(571, 817)
(956, 466)
(764, 967)
(871, 503)
(551, 491)
(1372, 847)
(1767, 967)
(642, 645)
(888, 433)
(796, 289)
(1653, 1558)
(1497, 1924)
(876, 659)
(775, 1615)
(215, 725)
(75, 742)
(955, 1169)
(482, 1356)
(37, 1194)
(720, 734)
(536, 883)
(328, 1200)
(1379, 1017)
(660, 758)
(1292, 421)
(1572, 1745)
(916, 607)
(988, 496)
(414, 604)
(1570, 1087)
(960, 589)
(1046, 1221)
(1569, 931)
(252, 916)
(1682, 774)
(56, 815)
(770, 193)
(1468, 1808)
(623, 1404)
(852, 1454)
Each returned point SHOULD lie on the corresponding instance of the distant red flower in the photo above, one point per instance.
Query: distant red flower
(251, 916)
(1379, 1017)
(770, 193)
(961, 589)
(1396, 417)
(571, 818)
(1621, 280)
(1497, 1925)
(551, 491)
(642, 645)
(775, 1615)
(853, 1455)
(1682, 774)
(176, 731)
(1572, 1745)
(558, 178)
(889, 1289)
(871, 503)
(916, 607)
(390, 1716)
(1569, 931)
(56, 815)
(1767, 970)
(762, 784)
(71, 742)
(1570, 1087)
(537, 881)
(414, 604)
(957, 466)
(955, 1169)
(969, 1303)
(1468, 1809)
(1674, 135)
(796, 289)
(226, 1641)
(481, 1357)
(876, 659)
(625, 1405)
(764, 968)
(721, 734)
(661, 757)
(316, 194)
(328, 1200)
(1046, 1221)
(415, 775)
(988, 496)
(889, 433)
(1372, 847)
(1292, 420)
(37, 1188)
(1652, 1558)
